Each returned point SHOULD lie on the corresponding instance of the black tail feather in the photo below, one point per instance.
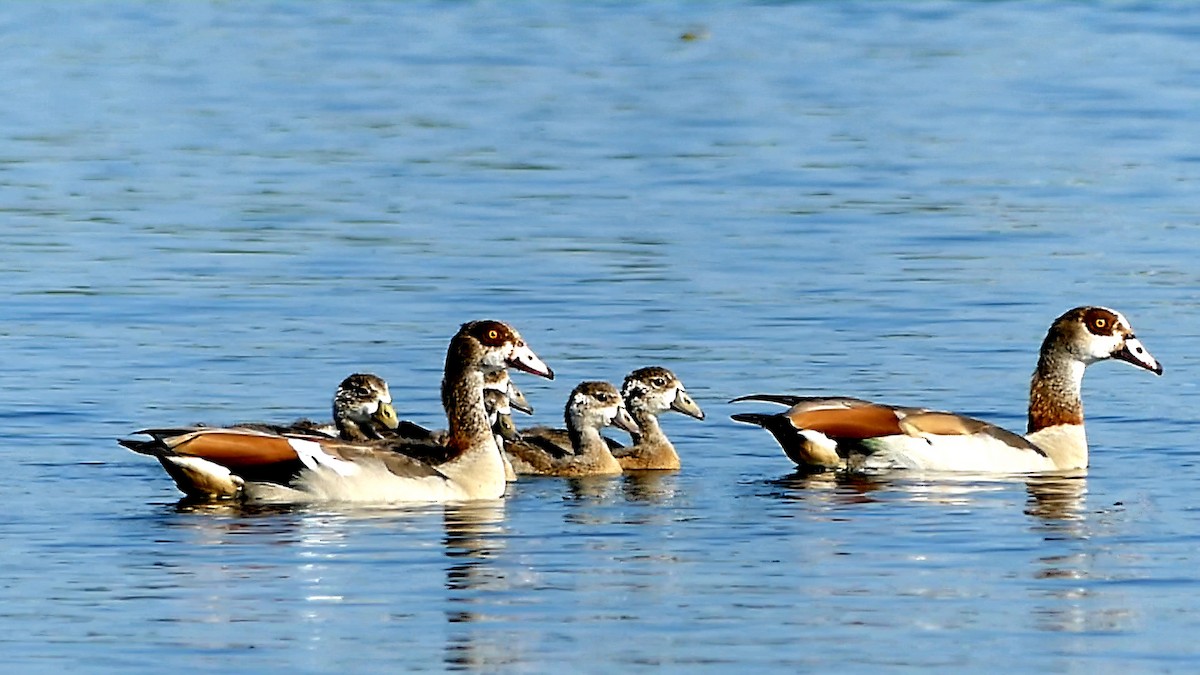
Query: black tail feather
(782, 399)
(760, 419)
(152, 448)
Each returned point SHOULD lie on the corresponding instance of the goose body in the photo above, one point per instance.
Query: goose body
(289, 466)
(649, 392)
(841, 432)
(590, 407)
(362, 410)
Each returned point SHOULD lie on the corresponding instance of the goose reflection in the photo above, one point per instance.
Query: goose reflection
(1057, 499)
(650, 487)
(474, 543)
(1067, 588)
(828, 486)
(310, 544)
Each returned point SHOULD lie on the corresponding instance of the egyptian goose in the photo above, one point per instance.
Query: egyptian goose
(649, 392)
(362, 409)
(590, 407)
(852, 433)
(260, 465)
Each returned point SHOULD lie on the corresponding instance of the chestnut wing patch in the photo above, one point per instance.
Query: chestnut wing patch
(232, 447)
(864, 421)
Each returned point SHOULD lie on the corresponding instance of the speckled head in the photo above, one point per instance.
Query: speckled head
(498, 380)
(364, 399)
(655, 389)
(596, 405)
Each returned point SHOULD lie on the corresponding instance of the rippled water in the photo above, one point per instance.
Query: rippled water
(215, 211)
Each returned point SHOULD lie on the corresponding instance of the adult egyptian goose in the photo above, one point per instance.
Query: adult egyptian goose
(853, 433)
(265, 466)
(649, 392)
(590, 407)
(362, 411)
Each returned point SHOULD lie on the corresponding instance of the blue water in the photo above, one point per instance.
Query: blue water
(215, 211)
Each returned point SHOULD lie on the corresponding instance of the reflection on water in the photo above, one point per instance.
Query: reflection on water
(473, 543)
(1057, 500)
(1071, 596)
(839, 487)
(473, 538)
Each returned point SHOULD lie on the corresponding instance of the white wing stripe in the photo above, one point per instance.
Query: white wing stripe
(314, 457)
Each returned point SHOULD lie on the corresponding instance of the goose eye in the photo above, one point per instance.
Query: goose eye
(493, 334)
(1100, 322)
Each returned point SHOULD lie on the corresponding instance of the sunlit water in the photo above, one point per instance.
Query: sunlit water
(215, 211)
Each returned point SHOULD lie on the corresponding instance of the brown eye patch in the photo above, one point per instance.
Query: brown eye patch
(1100, 321)
(492, 333)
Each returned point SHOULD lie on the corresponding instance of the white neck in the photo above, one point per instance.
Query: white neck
(1065, 445)
(479, 472)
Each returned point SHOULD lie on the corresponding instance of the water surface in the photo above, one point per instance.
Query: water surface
(215, 211)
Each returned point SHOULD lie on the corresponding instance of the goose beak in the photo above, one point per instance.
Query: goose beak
(505, 428)
(385, 414)
(684, 404)
(623, 420)
(517, 400)
(523, 358)
(1133, 352)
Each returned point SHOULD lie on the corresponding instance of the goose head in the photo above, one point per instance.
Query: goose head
(655, 390)
(361, 404)
(593, 405)
(500, 414)
(499, 380)
(499, 346)
(1090, 334)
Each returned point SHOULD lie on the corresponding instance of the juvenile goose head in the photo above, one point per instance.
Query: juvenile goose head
(500, 415)
(361, 404)
(595, 405)
(655, 390)
(499, 380)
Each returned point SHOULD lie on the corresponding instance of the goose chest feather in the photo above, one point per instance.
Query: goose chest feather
(842, 432)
